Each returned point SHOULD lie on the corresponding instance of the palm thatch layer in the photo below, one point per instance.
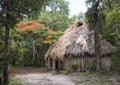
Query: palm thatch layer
(77, 41)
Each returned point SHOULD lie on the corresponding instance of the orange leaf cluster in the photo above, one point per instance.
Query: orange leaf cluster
(49, 39)
(29, 25)
(49, 31)
(22, 23)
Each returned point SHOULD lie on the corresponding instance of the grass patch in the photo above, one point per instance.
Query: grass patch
(79, 82)
(14, 81)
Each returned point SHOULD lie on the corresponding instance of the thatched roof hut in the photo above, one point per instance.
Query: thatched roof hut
(76, 48)
(77, 41)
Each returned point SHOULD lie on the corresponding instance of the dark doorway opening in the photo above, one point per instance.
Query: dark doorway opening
(56, 65)
(51, 62)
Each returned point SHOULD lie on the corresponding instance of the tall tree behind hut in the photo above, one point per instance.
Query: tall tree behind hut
(108, 22)
(93, 17)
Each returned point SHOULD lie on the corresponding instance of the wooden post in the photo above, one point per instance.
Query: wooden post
(53, 65)
(48, 63)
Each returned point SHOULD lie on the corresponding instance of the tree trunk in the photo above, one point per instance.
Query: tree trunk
(96, 28)
(1, 80)
(5, 74)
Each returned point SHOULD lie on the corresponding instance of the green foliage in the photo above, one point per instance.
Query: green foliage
(54, 20)
(55, 15)
(19, 9)
(112, 31)
(60, 6)
(28, 47)
(112, 25)
(80, 16)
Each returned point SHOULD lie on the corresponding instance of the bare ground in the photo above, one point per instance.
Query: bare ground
(33, 76)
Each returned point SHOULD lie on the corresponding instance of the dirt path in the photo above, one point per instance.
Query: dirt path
(45, 79)
(33, 76)
(37, 76)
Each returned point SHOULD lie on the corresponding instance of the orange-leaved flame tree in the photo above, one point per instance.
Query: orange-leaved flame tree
(24, 25)
(52, 36)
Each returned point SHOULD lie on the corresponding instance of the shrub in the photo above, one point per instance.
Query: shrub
(74, 66)
(115, 66)
(91, 66)
(68, 70)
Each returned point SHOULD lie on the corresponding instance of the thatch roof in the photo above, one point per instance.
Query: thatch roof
(77, 41)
